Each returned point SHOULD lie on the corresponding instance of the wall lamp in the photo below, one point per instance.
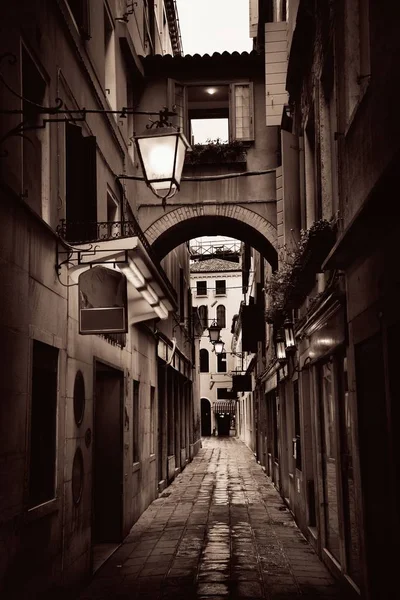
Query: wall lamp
(161, 153)
(280, 347)
(290, 342)
(219, 347)
(214, 331)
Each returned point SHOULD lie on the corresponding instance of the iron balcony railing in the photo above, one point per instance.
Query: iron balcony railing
(82, 232)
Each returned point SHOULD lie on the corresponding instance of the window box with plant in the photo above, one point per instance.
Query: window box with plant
(288, 287)
(217, 151)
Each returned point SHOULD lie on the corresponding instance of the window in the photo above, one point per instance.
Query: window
(43, 419)
(357, 47)
(221, 363)
(201, 288)
(130, 117)
(203, 314)
(212, 111)
(221, 316)
(135, 421)
(35, 184)
(109, 61)
(80, 13)
(81, 185)
(220, 287)
(148, 25)
(204, 361)
(181, 296)
(297, 438)
(113, 215)
(152, 415)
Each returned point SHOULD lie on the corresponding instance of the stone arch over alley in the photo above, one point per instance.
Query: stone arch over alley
(233, 220)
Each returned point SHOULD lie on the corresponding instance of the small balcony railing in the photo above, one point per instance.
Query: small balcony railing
(82, 232)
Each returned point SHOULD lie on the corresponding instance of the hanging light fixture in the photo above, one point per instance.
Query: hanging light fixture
(161, 153)
(280, 346)
(214, 330)
(290, 343)
(219, 347)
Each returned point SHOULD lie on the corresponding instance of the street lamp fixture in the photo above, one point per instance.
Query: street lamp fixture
(161, 153)
(290, 343)
(214, 330)
(219, 347)
(280, 347)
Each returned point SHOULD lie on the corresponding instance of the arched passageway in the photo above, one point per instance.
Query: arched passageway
(205, 417)
(186, 223)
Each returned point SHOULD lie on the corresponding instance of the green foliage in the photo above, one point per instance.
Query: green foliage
(285, 279)
(216, 150)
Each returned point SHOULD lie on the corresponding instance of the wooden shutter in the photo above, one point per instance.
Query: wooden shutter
(177, 101)
(241, 111)
(290, 188)
(81, 184)
(253, 18)
(275, 70)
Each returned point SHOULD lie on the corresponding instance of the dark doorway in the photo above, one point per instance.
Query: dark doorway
(107, 457)
(205, 417)
(223, 422)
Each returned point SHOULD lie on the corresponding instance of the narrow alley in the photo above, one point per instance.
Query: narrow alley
(220, 530)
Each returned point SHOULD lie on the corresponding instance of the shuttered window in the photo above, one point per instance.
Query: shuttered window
(81, 185)
(201, 288)
(221, 363)
(203, 314)
(220, 287)
(80, 12)
(204, 361)
(241, 119)
(276, 58)
(221, 316)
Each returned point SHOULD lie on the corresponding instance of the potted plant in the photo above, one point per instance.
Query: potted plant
(216, 151)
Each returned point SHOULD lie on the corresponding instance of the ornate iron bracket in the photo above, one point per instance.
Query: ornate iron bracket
(63, 114)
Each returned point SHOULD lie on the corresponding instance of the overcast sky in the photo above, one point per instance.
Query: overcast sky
(209, 26)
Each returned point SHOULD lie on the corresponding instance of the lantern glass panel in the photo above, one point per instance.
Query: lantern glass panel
(219, 347)
(280, 350)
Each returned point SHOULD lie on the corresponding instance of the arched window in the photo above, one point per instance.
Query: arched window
(203, 314)
(221, 316)
(204, 361)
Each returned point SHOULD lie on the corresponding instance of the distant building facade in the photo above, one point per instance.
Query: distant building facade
(217, 291)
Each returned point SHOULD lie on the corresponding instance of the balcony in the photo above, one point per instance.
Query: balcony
(121, 245)
(92, 231)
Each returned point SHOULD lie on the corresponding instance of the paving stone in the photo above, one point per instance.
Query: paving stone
(222, 532)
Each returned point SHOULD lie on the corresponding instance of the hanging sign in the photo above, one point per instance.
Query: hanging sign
(102, 301)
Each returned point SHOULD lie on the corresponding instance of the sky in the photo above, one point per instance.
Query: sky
(209, 26)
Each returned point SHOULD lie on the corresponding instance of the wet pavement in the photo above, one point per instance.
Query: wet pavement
(219, 531)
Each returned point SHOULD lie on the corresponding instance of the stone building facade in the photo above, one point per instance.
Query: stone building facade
(326, 412)
(82, 415)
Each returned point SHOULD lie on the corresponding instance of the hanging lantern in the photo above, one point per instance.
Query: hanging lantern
(290, 343)
(214, 330)
(162, 154)
(280, 347)
(219, 347)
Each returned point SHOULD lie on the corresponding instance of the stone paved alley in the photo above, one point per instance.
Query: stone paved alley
(220, 530)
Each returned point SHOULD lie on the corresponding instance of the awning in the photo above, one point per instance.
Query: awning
(150, 295)
(225, 406)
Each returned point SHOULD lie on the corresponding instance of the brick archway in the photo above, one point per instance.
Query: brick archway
(187, 222)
